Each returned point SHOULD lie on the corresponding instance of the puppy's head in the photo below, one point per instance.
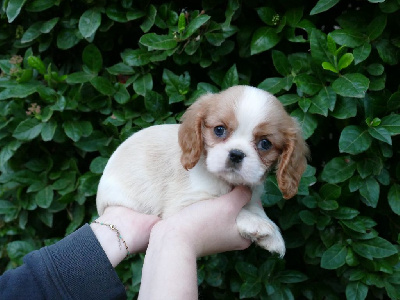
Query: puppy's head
(244, 132)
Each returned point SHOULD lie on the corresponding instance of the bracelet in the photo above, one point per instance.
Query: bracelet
(114, 228)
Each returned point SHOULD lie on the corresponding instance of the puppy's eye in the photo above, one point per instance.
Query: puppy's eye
(264, 144)
(220, 131)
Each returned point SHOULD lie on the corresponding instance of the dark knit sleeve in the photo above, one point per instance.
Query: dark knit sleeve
(73, 268)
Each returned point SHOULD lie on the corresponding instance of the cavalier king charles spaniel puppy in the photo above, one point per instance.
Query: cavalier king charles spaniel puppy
(231, 138)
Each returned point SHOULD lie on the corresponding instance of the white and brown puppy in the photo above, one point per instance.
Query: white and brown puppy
(231, 138)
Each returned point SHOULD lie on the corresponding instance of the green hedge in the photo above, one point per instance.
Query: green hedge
(79, 77)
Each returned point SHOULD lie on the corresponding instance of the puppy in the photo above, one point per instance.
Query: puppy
(231, 138)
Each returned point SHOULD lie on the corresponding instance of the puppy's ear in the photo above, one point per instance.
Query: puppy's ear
(292, 162)
(190, 134)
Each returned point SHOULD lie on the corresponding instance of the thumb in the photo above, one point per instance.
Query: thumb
(240, 195)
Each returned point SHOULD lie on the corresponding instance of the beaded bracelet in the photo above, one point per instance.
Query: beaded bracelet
(114, 228)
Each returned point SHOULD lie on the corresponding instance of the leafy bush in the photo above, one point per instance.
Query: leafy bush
(78, 77)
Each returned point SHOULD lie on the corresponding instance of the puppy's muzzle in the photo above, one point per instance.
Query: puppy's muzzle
(236, 156)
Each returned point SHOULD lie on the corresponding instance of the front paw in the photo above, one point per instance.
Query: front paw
(262, 231)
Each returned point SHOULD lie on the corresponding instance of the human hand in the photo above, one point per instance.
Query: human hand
(203, 228)
(208, 227)
(133, 226)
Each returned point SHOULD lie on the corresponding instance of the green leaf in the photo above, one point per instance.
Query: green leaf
(345, 61)
(79, 77)
(334, 257)
(8, 150)
(380, 133)
(394, 198)
(48, 130)
(195, 24)
(49, 25)
(137, 57)
(13, 9)
(323, 5)
(370, 191)
(356, 290)
(349, 38)
(319, 47)
(44, 198)
(46, 217)
(345, 108)
(77, 216)
(308, 217)
(67, 38)
(22, 90)
(330, 191)
(181, 22)
(28, 129)
(344, 213)
(39, 5)
(323, 102)
(351, 85)
(354, 140)
(357, 224)
(308, 123)
(291, 276)
(32, 33)
(361, 53)
(89, 22)
(264, 38)
(121, 95)
(231, 78)
(8, 210)
(149, 19)
(143, 84)
(273, 85)
(98, 164)
(120, 69)
(246, 270)
(308, 84)
(376, 26)
(374, 248)
(155, 103)
(339, 169)
(158, 42)
(387, 52)
(103, 85)
(288, 99)
(92, 58)
(18, 249)
(281, 63)
(176, 86)
(293, 16)
(250, 289)
(328, 66)
(266, 15)
(76, 129)
(391, 123)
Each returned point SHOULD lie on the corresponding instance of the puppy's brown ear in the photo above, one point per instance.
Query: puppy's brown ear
(190, 134)
(292, 162)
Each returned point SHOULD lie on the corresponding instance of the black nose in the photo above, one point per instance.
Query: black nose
(236, 156)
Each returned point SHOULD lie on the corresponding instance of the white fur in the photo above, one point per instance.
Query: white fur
(145, 173)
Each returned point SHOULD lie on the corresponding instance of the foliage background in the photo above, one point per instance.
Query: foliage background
(78, 77)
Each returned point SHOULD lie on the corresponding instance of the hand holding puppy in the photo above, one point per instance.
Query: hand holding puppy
(203, 228)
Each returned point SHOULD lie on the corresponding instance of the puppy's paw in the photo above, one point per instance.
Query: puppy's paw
(262, 231)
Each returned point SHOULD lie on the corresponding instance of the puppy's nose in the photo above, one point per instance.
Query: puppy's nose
(236, 156)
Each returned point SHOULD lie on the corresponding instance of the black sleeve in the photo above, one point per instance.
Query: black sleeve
(73, 268)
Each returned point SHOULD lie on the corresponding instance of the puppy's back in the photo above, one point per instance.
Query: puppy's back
(139, 172)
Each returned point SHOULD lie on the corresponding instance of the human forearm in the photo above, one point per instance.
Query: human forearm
(75, 267)
(169, 270)
(129, 229)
